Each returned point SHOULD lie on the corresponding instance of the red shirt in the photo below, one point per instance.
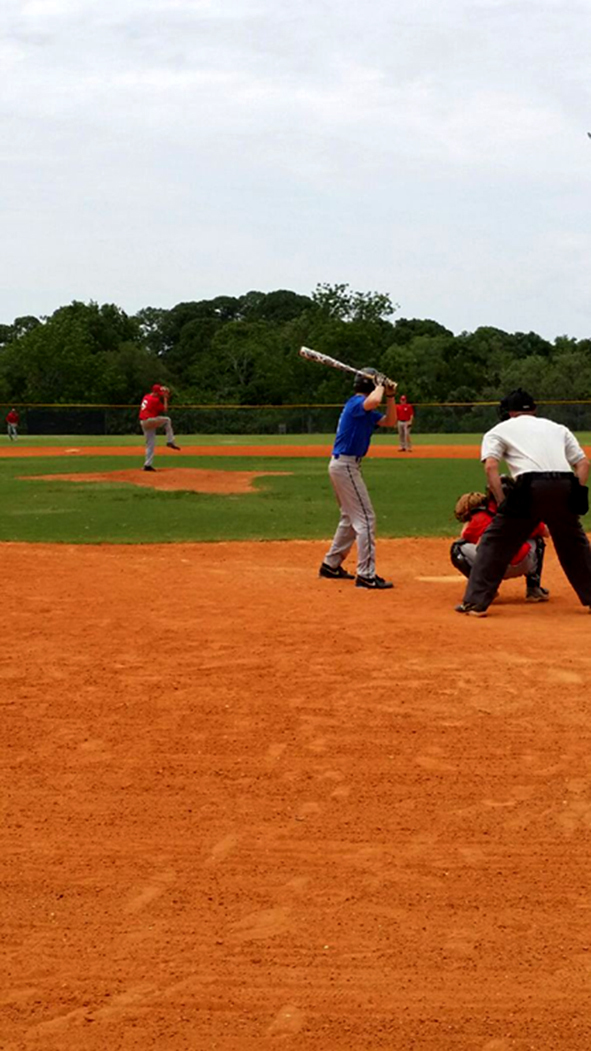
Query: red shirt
(12, 416)
(404, 412)
(479, 523)
(152, 405)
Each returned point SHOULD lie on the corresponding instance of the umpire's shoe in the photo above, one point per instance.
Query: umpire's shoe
(376, 583)
(471, 609)
(334, 574)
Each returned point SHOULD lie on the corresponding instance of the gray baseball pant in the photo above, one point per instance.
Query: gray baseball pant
(357, 521)
(149, 427)
(521, 569)
(404, 435)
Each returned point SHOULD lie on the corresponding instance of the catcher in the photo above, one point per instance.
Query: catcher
(153, 411)
(476, 511)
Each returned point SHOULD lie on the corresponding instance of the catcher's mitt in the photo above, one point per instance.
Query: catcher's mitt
(467, 504)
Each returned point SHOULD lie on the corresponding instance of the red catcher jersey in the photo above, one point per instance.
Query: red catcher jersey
(152, 405)
(479, 523)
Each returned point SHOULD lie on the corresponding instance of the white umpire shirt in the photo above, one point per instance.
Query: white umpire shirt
(528, 443)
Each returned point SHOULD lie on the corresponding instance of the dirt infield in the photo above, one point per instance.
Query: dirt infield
(380, 452)
(246, 808)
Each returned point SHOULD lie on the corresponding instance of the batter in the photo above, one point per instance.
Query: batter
(358, 420)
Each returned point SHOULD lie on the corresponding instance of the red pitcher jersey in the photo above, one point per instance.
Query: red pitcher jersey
(152, 405)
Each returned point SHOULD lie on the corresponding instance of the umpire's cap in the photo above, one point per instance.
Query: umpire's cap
(517, 400)
(364, 384)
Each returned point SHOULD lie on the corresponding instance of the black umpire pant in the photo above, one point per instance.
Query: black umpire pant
(555, 498)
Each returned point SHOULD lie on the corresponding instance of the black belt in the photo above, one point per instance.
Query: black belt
(337, 456)
(532, 475)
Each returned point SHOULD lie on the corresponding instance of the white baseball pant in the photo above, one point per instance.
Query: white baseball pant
(149, 427)
(357, 521)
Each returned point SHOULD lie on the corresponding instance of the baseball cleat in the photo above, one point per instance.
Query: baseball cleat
(148, 467)
(376, 583)
(537, 595)
(334, 574)
(470, 609)
(173, 445)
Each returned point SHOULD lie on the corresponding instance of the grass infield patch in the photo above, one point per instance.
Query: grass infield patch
(411, 498)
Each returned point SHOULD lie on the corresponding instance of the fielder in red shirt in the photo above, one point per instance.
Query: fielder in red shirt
(476, 511)
(404, 415)
(153, 411)
(12, 424)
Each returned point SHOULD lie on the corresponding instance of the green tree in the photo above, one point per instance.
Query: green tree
(340, 302)
(245, 364)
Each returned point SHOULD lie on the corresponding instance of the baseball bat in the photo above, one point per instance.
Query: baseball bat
(324, 359)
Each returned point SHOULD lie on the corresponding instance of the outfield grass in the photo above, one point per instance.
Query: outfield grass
(386, 438)
(411, 498)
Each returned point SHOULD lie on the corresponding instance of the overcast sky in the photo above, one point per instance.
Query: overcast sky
(156, 151)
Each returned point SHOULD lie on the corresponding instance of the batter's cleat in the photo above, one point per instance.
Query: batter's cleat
(376, 583)
(334, 574)
(471, 609)
(173, 445)
(537, 595)
(148, 467)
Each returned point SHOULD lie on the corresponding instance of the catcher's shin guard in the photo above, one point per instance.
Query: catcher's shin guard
(533, 580)
(458, 559)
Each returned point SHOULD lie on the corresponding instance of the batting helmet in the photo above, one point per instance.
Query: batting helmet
(364, 384)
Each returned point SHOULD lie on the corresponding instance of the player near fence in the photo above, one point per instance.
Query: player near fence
(550, 471)
(12, 421)
(476, 511)
(404, 415)
(153, 414)
(358, 420)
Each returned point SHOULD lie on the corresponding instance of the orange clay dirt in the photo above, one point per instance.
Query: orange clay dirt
(249, 809)
(380, 452)
(182, 479)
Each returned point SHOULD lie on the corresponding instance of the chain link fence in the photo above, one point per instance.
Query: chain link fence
(430, 418)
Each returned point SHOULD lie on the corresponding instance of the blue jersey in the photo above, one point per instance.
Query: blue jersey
(355, 428)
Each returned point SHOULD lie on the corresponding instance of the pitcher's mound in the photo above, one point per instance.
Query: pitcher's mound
(182, 479)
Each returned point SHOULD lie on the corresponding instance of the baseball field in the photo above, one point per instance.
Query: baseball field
(245, 808)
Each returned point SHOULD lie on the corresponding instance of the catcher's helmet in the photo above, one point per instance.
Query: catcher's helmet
(364, 384)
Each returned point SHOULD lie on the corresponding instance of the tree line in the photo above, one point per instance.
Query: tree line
(244, 350)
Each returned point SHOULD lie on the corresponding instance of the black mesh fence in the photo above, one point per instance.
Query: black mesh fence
(286, 419)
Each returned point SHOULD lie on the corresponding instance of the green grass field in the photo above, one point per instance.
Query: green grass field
(79, 440)
(412, 497)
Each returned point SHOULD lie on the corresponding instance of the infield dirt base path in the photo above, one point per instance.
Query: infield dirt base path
(380, 452)
(246, 808)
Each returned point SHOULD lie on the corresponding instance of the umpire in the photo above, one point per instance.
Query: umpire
(550, 471)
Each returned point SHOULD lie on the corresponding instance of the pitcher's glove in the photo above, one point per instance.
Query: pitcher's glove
(467, 504)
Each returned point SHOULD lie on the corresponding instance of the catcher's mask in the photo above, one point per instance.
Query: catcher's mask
(365, 384)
